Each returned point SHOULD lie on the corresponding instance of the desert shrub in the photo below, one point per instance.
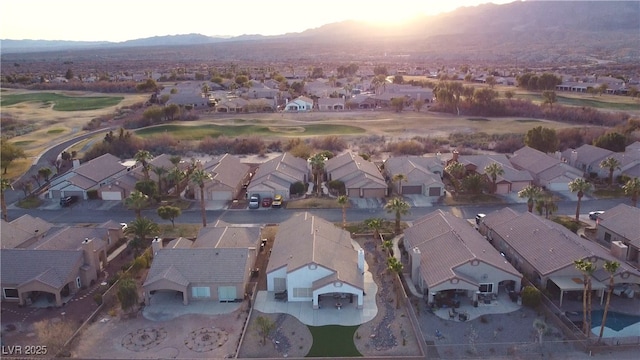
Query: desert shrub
(337, 186)
(332, 143)
(407, 147)
(297, 188)
(251, 145)
(531, 297)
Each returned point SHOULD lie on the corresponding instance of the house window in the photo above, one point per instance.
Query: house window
(486, 288)
(200, 292)
(302, 292)
(10, 293)
(607, 237)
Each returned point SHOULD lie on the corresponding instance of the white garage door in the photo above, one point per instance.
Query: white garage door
(502, 188)
(220, 195)
(111, 195)
(558, 186)
(226, 293)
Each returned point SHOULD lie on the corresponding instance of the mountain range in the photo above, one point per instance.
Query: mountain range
(565, 30)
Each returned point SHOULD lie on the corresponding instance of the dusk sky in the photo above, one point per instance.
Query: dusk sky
(120, 20)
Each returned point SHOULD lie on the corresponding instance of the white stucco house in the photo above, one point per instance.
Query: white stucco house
(301, 103)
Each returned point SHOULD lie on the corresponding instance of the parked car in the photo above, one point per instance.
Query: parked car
(254, 202)
(594, 214)
(68, 200)
(277, 201)
(266, 202)
(479, 218)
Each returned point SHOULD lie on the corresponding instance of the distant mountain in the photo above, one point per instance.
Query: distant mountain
(531, 30)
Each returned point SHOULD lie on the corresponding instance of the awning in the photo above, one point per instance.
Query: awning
(576, 283)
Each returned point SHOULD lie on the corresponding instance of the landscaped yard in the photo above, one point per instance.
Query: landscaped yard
(62, 102)
(333, 341)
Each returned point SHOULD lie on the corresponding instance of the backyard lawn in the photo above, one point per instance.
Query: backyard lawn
(333, 341)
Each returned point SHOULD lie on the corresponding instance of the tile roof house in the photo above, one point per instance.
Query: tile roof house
(88, 176)
(447, 253)
(311, 258)
(620, 227)
(331, 104)
(545, 251)
(301, 103)
(22, 229)
(587, 158)
(277, 175)
(361, 178)
(228, 176)
(512, 181)
(424, 174)
(547, 171)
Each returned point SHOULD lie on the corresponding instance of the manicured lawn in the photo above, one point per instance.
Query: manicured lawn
(314, 203)
(586, 101)
(333, 341)
(185, 132)
(63, 102)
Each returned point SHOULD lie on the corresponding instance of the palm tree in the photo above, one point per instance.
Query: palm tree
(531, 193)
(611, 267)
(587, 268)
(175, 160)
(580, 186)
(395, 266)
(399, 178)
(136, 201)
(176, 176)
(612, 164)
(343, 200)
(387, 245)
(456, 171)
(200, 177)
(4, 185)
(143, 157)
(317, 165)
(141, 228)
(159, 171)
(375, 224)
(493, 170)
(632, 188)
(547, 204)
(399, 207)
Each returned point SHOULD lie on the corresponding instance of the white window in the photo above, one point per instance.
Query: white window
(486, 288)
(200, 292)
(302, 292)
(10, 293)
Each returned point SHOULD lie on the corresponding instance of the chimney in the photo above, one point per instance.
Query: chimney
(416, 258)
(361, 260)
(558, 155)
(88, 253)
(574, 157)
(156, 245)
(619, 250)
(455, 155)
(76, 163)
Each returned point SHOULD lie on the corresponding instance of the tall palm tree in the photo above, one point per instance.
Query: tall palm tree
(343, 200)
(143, 157)
(160, 171)
(547, 204)
(200, 177)
(494, 170)
(587, 268)
(456, 171)
(176, 176)
(375, 224)
(632, 188)
(141, 228)
(399, 178)
(317, 162)
(611, 164)
(4, 185)
(395, 266)
(399, 207)
(611, 267)
(531, 193)
(580, 186)
(136, 201)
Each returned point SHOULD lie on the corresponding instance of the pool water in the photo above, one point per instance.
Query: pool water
(618, 324)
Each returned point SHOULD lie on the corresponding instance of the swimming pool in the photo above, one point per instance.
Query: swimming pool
(618, 324)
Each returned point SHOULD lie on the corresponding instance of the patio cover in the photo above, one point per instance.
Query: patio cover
(575, 283)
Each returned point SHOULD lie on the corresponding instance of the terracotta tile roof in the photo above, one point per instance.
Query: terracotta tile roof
(532, 160)
(52, 267)
(227, 237)
(26, 227)
(281, 171)
(624, 220)
(447, 242)
(100, 168)
(354, 171)
(70, 238)
(227, 172)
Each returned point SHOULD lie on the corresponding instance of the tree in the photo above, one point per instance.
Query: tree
(587, 268)
(317, 162)
(611, 164)
(399, 178)
(160, 172)
(399, 207)
(147, 187)
(141, 228)
(200, 177)
(546, 204)
(343, 200)
(45, 173)
(69, 74)
(375, 224)
(418, 104)
(168, 212)
(127, 293)
(398, 104)
(541, 327)
(170, 111)
(8, 153)
(473, 183)
(542, 139)
(456, 171)
(54, 335)
(4, 185)
(632, 188)
(531, 193)
(176, 176)
(387, 246)
(611, 267)
(613, 141)
(509, 94)
(265, 326)
(395, 266)
(143, 157)
(136, 202)
(491, 81)
(549, 97)
(493, 170)
(580, 186)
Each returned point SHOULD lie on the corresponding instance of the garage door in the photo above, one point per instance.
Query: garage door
(220, 195)
(502, 189)
(435, 191)
(226, 293)
(558, 186)
(79, 194)
(353, 193)
(412, 190)
(112, 195)
(373, 193)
